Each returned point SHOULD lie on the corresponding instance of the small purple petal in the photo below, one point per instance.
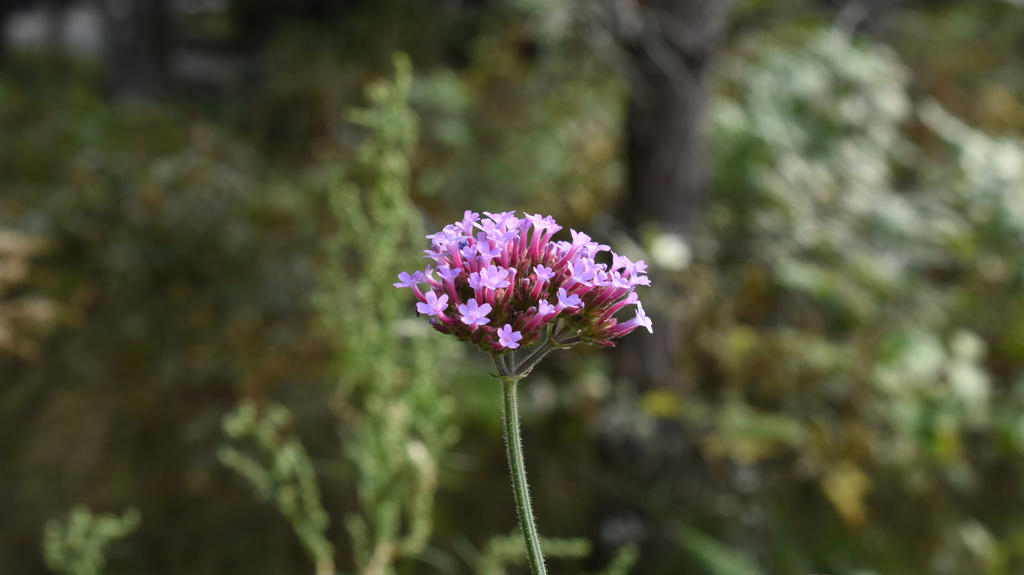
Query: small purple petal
(434, 305)
(406, 281)
(544, 274)
(508, 338)
(474, 315)
(565, 300)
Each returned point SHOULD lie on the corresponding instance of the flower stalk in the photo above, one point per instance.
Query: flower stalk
(505, 284)
(517, 467)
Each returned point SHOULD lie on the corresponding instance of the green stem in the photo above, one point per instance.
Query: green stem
(514, 450)
(523, 369)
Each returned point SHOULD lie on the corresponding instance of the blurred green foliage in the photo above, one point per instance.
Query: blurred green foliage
(282, 473)
(850, 367)
(176, 280)
(504, 551)
(560, 116)
(78, 545)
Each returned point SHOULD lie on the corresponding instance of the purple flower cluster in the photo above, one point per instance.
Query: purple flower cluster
(501, 280)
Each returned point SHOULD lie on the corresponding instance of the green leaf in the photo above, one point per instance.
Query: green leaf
(716, 556)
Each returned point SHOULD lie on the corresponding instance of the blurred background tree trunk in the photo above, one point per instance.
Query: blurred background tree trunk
(137, 45)
(671, 46)
(54, 25)
(6, 9)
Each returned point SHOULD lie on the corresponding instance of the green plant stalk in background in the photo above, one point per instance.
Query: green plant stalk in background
(394, 412)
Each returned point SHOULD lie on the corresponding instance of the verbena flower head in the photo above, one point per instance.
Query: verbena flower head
(502, 281)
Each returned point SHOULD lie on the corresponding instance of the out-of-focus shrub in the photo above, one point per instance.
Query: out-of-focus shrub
(179, 275)
(857, 322)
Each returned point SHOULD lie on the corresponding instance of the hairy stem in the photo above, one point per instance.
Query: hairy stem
(514, 450)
